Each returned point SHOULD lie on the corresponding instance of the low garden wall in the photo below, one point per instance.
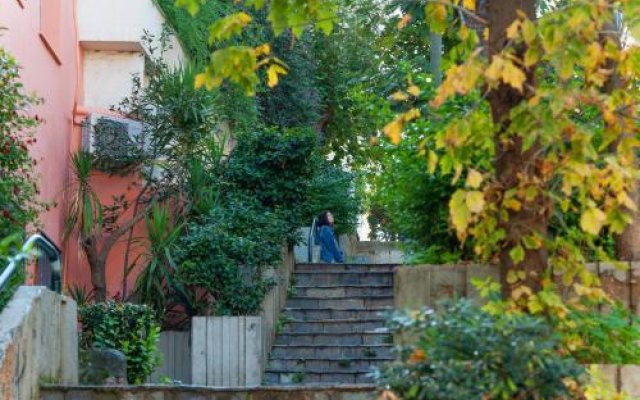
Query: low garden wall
(200, 393)
(38, 343)
(425, 285)
(233, 351)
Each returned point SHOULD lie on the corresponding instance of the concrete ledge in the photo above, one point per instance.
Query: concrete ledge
(38, 342)
(159, 392)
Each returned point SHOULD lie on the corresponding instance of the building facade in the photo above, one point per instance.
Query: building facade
(79, 56)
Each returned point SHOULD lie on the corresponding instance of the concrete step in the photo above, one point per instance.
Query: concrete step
(343, 278)
(340, 303)
(340, 364)
(334, 291)
(335, 339)
(345, 267)
(297, 352)
(308, 391)
(333, 325)
(310, 377)
(304, 314)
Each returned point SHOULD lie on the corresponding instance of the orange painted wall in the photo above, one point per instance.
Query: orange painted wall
(44, 42)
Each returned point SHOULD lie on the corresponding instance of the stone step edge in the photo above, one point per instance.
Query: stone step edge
(349, 346)
(334, 334)
(334, 321)
(347, 264)
(199, 389)
(385, 273)
(377, 308)
(345, 285)
(333, 359)
(318, 371)
(356, 297)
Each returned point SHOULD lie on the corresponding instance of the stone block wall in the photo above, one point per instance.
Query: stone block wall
(38, 343)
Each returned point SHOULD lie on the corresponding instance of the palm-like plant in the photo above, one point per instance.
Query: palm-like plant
(85, 209)
(86, 215)
(156, 285)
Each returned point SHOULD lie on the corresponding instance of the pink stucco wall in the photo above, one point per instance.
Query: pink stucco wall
(44, 42)
(49, 68)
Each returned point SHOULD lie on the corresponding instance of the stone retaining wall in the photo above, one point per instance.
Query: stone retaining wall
(200, 393)
(424, 285)
(38, 343)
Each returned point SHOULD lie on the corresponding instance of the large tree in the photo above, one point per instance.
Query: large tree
(547, 139)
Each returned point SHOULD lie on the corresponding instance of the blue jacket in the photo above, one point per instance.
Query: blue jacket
(329, 250)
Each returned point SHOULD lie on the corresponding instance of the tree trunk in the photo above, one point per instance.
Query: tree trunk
(511, 161)
(97, 266)
(436, 56)
(628, 242)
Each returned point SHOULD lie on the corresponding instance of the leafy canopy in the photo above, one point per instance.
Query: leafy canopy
(240, 63)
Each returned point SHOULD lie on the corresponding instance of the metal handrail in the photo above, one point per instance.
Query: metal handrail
(45, 246)
(311, 240)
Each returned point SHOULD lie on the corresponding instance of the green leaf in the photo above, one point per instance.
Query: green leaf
(517, 254)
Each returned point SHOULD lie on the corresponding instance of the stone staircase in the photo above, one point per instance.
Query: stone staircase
(332, 331)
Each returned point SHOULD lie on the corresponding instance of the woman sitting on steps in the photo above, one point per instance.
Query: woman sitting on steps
(329, 249)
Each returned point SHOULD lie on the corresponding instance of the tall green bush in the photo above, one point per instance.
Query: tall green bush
(222, 257)
(335, 190)
(18, 187)
(276, 167)
(129, 328)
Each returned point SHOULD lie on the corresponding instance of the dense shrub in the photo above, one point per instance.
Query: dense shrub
(129, 328)
(18, 188)
(605, 334)
(224, 255)
(465, 353)
(276, 167)
(335, 190)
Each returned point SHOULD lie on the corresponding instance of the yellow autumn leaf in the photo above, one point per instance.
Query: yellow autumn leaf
(264, 49)
(400, 96)
(592, 220)
(200, 80)
(512, 30)
(440, 12)
(404, 21)
(475, 201)
(474, 179)
(494, 72)
(529, 31)
(624, 199)
(410, 115)
(459, 211)
(520, 292)
(469, 4)
(513, 75)
(393, 130)
(432, 161)
(414, 90)
(273, 73)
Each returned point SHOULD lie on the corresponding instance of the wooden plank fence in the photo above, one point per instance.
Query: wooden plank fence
(234, 351)
(175, 347)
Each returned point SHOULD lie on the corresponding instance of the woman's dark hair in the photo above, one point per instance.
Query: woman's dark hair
(323, 219)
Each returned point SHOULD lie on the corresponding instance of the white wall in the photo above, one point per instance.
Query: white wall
(120, 24)
(108, 76)
(110, 35)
